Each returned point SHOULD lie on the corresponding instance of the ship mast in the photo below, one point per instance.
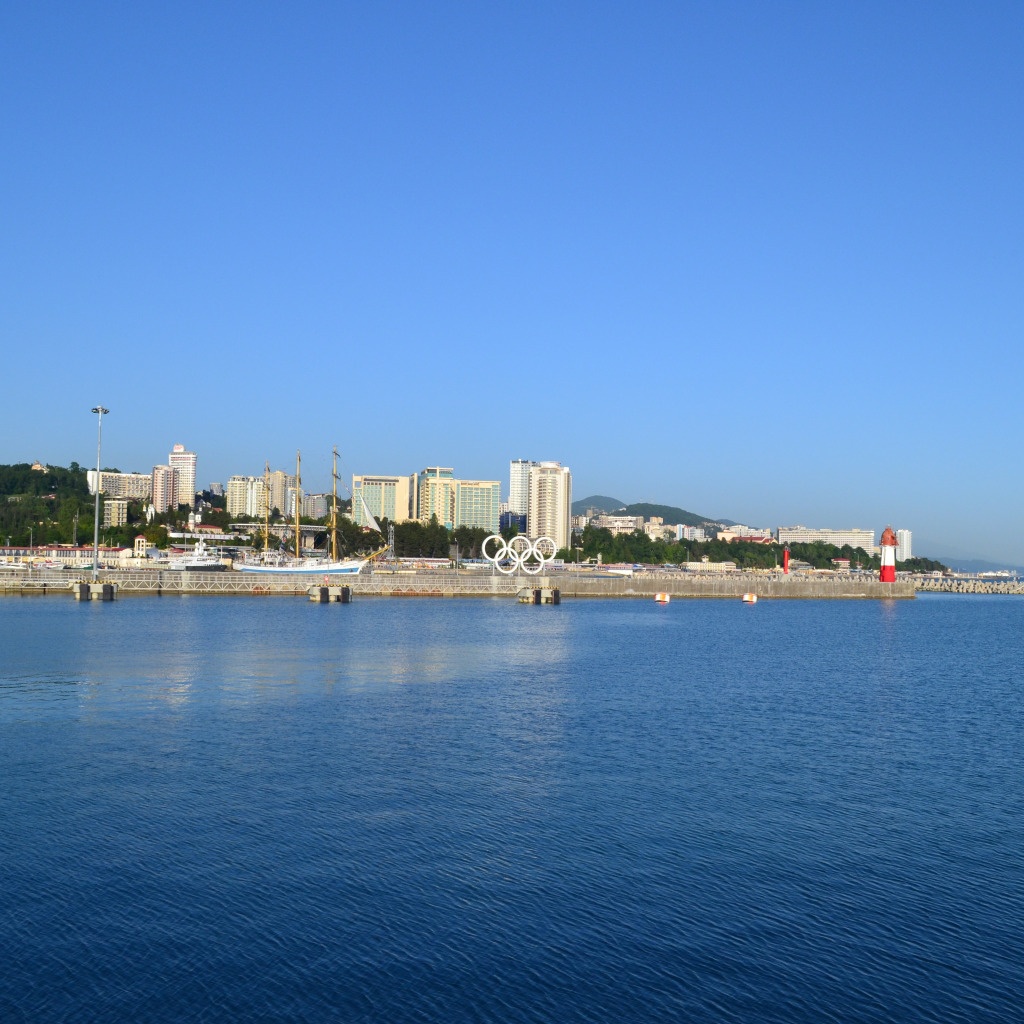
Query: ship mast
(298, 503)
(334, 509)
(266, 509)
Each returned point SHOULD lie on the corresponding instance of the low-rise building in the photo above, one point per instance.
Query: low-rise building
(134, 486)
(617, 524)
(509, 519)
(803, 535)
(741, 532)
(115, 512)
(656, 529)
(691, 533)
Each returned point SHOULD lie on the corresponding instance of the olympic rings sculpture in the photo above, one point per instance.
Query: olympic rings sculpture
(520, 554)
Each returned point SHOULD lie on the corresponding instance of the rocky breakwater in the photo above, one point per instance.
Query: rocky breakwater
(961, 585)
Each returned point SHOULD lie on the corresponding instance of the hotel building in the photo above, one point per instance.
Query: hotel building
(457, 502)
(519, 486)
(802, 535)
(386, 497)
(550, 509)
(184, 464)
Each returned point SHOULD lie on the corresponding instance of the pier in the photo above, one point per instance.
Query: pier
(477, 584)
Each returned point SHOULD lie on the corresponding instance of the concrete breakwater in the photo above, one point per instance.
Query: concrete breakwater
(732, 585)
(469, 584)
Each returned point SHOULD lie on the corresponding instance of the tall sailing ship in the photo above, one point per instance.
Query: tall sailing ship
(281, 563)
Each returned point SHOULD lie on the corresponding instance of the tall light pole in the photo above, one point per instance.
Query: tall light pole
(99, 410)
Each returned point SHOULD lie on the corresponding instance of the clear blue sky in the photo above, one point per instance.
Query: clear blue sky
(761, 260)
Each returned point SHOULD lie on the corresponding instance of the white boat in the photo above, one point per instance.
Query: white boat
(281, 564)
(196, 560)
(306, 566)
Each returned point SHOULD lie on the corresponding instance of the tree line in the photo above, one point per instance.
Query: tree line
(641, 549)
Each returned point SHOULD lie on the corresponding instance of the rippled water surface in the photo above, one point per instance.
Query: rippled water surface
(229, 809)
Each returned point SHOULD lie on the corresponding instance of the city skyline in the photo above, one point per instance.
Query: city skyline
(251, 504)
(761, 263)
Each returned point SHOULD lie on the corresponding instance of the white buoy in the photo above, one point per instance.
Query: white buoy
(750, 598)
(662, 598)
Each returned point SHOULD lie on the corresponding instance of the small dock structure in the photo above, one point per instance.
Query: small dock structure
(540, 595)
(86, 591)
(327, 595)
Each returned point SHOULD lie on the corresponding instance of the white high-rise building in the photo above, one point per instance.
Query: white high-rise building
(550, 509)
(903, 547)
(519, 486)
(184, 464)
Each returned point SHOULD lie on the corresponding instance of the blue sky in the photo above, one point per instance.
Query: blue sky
(763, 261)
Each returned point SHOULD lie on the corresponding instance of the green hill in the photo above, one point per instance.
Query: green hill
(671, 514)
(598, 501)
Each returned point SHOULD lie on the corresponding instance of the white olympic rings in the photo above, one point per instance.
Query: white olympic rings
(515, 555)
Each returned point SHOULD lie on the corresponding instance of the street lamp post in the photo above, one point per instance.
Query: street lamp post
(99, 410)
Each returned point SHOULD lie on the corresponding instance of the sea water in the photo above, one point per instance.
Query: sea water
(262, 809)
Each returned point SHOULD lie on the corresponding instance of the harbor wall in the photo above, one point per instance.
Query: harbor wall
(166, 583)
(771, 587)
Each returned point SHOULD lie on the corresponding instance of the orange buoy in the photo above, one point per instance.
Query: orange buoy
(662, 598)
(750, 598)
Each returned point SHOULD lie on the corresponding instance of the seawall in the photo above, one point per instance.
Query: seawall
(468, 584)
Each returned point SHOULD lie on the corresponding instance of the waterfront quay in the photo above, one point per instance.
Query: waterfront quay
(467, 584)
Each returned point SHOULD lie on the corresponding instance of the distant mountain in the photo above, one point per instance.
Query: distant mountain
(979, 565)
(598, 501)
(671, 514)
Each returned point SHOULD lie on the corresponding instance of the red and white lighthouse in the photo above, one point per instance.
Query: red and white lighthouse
(888, 573)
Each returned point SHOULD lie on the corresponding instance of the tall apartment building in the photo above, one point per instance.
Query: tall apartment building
(550, 509)
(164, 488)
(903, 545)
(247, 496)
(802, 535)
(316, 506)
(134, 486)
(390, 497)
(519, 486)
(280, 484)
(184, 464)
